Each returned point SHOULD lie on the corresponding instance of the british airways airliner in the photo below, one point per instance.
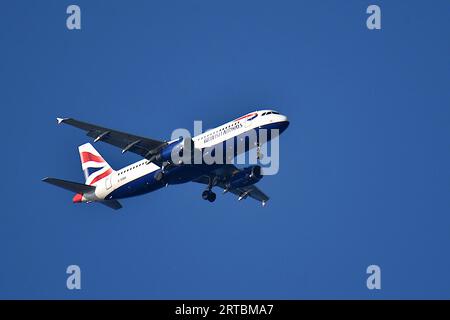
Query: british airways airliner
(158, 169)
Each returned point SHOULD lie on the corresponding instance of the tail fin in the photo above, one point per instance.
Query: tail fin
(95, 168)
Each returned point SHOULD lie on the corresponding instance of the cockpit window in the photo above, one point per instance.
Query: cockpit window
(269, 112)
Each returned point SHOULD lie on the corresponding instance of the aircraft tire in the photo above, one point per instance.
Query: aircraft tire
(205, 194)
(212, 197)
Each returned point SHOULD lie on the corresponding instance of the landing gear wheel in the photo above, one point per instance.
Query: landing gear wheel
(205, 194)
(212, 197)
(209, 195)
(159, 176)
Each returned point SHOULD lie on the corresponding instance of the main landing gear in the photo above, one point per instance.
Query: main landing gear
(160, 175)
(209, 195)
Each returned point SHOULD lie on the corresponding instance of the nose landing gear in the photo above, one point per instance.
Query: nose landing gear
(259, 154)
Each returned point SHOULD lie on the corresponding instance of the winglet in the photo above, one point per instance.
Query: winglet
(60, 120)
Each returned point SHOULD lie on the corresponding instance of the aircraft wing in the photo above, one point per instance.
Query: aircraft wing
(221, 175)
(251, 191)
(142, 146)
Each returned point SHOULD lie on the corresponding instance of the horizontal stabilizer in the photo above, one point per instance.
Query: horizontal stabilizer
(69, 185)
(113, 204)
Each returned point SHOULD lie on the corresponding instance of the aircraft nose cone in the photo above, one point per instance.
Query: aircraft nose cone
(284, 124)
(77, 198)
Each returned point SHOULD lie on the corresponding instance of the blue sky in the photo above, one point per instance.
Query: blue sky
(364, 173)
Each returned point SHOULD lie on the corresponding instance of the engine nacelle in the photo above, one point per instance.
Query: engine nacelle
(245, 177)
(176, 151)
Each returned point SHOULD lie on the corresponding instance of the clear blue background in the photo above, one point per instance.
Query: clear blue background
(364, 175)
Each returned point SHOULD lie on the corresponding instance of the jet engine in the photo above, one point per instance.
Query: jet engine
(175, 152)
(245, 177)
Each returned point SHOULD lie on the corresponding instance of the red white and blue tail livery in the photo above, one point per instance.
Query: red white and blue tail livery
(95, 168)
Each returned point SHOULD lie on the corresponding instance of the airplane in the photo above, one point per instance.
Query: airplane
(157, 168)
